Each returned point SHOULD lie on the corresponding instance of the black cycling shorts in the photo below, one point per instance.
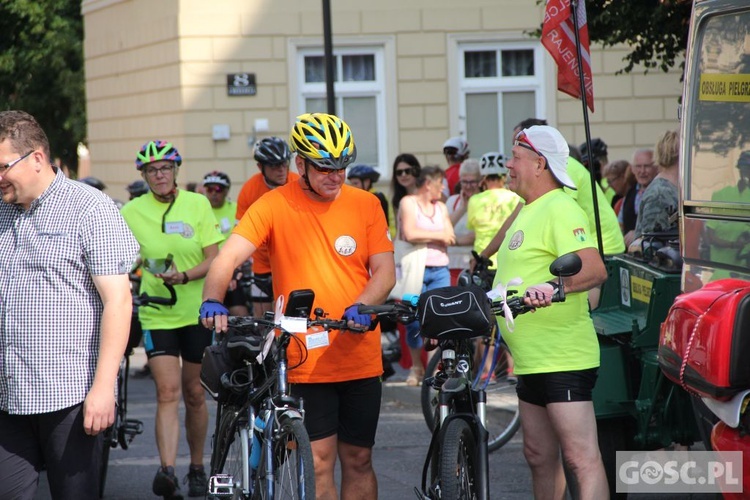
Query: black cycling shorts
(260, 289)
(349, 410)
(541, 389)
(235, 297)
(187, 341)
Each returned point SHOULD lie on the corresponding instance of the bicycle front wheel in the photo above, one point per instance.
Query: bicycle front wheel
(104, 465)
(457, 461)
(290, 473)
(230, 456)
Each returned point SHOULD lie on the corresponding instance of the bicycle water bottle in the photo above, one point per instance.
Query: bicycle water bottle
(260, 425)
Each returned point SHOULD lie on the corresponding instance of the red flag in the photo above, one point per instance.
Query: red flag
(558, 38)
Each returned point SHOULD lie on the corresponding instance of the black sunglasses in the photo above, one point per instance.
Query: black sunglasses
(407, 171)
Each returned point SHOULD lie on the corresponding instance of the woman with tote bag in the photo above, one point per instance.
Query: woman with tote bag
(423, 222)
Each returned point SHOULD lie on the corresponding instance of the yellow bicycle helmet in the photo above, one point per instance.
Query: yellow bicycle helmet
(324, 140)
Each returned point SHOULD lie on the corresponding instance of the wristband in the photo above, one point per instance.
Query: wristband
(185, 278)
(555, 286)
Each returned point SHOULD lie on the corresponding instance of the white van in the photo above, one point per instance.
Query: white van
(715, 149)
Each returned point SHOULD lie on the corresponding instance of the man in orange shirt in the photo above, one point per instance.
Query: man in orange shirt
(332, 238)
(272, 155)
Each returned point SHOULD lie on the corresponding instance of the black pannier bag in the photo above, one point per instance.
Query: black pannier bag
(232, 352)
(455, 312)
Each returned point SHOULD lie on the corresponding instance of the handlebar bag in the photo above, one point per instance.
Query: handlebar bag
(235, 350)
(455, 313)
(705, 341)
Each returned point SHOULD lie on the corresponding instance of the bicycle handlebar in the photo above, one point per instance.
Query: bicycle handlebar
(517, 306)
(406, 312)
(325, 323)
(147, 300)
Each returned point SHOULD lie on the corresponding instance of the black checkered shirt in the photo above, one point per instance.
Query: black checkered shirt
(50, 311)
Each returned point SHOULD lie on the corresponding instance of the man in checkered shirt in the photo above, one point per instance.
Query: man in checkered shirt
(65, 309)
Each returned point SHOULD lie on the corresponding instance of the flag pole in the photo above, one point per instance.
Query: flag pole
(586, 127)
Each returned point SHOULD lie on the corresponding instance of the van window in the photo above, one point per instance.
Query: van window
(720, 124)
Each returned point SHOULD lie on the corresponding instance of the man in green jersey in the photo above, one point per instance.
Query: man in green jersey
(613, 242)
(555, 349)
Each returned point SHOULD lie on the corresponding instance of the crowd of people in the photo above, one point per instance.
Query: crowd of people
(520, 211)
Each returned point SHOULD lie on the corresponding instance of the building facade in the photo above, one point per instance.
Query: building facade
(214, 77)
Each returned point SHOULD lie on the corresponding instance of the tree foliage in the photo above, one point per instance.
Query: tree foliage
(41, 68)
(656, 31)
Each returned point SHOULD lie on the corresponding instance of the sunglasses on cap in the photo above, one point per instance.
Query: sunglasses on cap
(523, 141)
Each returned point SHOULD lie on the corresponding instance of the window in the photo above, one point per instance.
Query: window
(500, 85)
(359, 88)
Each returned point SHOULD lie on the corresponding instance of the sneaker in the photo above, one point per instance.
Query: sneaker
(166, 484)
(197, 482)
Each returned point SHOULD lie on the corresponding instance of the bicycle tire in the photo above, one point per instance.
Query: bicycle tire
(292, 470)
(503, 418)
(457, 461)
(231, 451)
(104, 465)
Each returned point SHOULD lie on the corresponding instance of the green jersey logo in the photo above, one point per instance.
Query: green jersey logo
(580, 234)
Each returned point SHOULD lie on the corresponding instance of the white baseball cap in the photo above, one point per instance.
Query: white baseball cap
(548, 142)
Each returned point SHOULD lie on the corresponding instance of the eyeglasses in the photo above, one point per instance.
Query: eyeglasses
(8, 166)
(407, 171)
(326, 170)
(469, 183)
(643, 166)
(214, 188)
(276, 165)
(153, 172)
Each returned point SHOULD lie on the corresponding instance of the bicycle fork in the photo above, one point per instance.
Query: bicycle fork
(451, 388)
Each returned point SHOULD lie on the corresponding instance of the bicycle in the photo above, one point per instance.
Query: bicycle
(123, 430)
(503, 418)
(457, 460)
(260, 448)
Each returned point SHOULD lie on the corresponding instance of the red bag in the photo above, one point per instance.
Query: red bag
(704, 344)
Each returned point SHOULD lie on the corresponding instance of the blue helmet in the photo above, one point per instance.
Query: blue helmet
(363, 172)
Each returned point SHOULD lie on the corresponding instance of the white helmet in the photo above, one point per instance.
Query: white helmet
(492, 163)
(459, 144)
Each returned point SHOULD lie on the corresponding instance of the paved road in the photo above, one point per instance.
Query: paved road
(401, 444)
